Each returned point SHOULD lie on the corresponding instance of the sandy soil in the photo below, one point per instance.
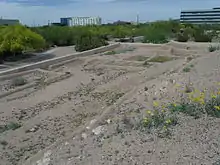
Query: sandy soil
(88, 118)
(36, 57)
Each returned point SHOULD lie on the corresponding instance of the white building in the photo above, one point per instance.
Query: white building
(81, 21)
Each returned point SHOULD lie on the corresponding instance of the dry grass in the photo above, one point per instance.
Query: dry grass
(138, 58)
(160, 59)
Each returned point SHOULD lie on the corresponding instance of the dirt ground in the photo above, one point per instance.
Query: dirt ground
(88, 117)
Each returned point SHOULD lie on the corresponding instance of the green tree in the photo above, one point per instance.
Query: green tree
(16, 39)
(86, 41)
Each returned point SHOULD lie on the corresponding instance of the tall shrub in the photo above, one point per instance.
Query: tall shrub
(155, 36)
(16, 39)
(87, 41)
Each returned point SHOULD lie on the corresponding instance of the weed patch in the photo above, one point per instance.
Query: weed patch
(9, 126)
(188, 68)
(160, 120)
(110, 52)
(114, 98)
(160, 59)
(138, 58)
(113, 52)
(196, 104)
(3, 143)
(20, 81)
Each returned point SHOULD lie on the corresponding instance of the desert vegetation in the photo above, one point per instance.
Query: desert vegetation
(15, 40)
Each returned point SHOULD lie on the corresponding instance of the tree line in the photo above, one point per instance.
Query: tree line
(14, 40)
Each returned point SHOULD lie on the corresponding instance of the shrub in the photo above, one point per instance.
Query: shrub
(60, 36)
(160, 59)
(186, 69)
(18, 81)
(110, 52)
(155, 37)
(3, 143)
(200, 36)
(182, 37)
(9, 126)
(196, 104)
(87, 41)
(16, 39)
(159, 119)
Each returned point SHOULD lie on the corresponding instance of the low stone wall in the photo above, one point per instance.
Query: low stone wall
(46, 63)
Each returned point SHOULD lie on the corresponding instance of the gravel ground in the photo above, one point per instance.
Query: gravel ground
(91, 117)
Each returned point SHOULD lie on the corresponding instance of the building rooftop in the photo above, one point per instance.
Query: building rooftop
(201, 10)
(9, 21)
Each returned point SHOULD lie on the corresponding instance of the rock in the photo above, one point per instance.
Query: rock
(98, 130)
(146, 88)
(84, 135)
(34, 129)
(91, 122)
(66, 143)
(108, 121)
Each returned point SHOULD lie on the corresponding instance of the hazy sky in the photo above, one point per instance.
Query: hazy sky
(40, 11)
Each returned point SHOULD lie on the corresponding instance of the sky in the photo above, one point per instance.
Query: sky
(38, 12)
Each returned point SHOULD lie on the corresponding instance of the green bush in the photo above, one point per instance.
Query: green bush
(16, 39)
(182, 37)
(156, 38)
(87, 41)
(19, 81)
(55, 35)
(200, 36)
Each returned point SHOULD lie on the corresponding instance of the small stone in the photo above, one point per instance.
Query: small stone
(146, 88)
(84, 135)
(98, 130)
(108, 121)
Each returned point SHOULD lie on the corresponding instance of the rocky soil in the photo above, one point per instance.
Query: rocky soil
(93, 117)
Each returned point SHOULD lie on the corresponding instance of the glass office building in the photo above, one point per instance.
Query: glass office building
(210, 16)
(81, 21)
(9, 21)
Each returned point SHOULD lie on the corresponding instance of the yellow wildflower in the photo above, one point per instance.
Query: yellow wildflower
(148, 112)
(163, 106)
(145, 121)
(168, 121)
(217, 107)
(174, 105)
(202, 94)
(156, 104)
(214, 96)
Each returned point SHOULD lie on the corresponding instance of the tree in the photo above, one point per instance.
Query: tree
(87, 40)
(16, 39)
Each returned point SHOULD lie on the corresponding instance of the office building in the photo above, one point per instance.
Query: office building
(208, 16)
(8, 21)
(81, 21)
